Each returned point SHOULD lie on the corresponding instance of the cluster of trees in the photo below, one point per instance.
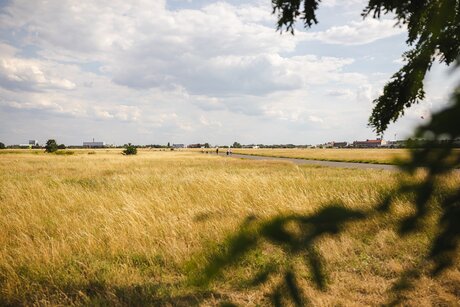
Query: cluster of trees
(52, 146)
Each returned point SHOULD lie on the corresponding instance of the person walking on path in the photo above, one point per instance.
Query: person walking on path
(217, 150)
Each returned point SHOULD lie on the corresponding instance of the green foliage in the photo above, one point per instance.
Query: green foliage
(236, 145)
(51, 146)
(289, 10)
(2, 146)
(433, 31)
(61, 146)
(439, 161)
(130, 150)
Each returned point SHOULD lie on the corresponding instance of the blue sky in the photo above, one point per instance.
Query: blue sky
(150, 72)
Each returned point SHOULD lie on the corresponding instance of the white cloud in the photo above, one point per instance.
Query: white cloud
(334, 3)
(158, 72)
(340, 93)
(399, 61)
(358, 32)
(25, 74)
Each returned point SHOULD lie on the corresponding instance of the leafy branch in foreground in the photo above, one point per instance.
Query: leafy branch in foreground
(298, 234)
(433, 30)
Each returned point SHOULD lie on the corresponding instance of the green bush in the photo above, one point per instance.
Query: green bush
(130, 150)
(51, 146)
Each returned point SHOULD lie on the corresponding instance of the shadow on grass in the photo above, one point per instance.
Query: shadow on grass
(96, 293)
(297, 235)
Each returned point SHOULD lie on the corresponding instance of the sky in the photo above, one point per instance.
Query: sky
(152, 72)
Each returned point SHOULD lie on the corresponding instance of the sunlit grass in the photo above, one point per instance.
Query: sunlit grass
(376, 155)
(113, 229)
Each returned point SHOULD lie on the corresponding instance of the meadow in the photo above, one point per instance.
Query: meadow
(368, 155)
(100, 228)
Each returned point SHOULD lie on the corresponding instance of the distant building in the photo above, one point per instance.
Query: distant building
(395, 144)
(178, 145)
(194, 145)
(94, 144)
(339, 144)
(334, 144)
(32, 143)
(367, 143)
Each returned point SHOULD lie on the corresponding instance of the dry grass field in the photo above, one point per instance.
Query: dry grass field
(383, 156)
(108, 229)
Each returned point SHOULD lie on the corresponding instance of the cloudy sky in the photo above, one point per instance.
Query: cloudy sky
(152, 72)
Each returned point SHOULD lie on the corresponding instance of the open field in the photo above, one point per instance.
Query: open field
(109, 229)
(383, 156)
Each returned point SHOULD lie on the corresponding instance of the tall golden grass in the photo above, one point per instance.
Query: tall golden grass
(369, 155)
(125, 230)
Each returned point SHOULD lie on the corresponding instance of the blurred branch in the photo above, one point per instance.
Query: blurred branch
(298, 234)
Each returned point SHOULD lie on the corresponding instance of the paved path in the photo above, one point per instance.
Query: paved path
(322, 163)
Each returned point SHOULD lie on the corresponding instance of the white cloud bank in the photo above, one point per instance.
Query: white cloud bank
(173, 72)
(358, 32)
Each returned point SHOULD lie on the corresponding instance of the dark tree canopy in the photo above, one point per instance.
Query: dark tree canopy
(130, 150)
(236, 145)
(433, 33)
(51, 146)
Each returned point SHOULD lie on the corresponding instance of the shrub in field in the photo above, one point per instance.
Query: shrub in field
(61, 146)
(130, 150)
(51, 146)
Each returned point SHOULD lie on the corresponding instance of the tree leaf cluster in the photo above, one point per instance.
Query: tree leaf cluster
(51, 146)
(433, 28)
(130, 150)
